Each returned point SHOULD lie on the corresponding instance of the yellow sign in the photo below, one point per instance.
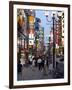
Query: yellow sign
(31, 19)
(20, 20)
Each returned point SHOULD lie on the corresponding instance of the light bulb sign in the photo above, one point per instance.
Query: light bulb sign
(31, 39)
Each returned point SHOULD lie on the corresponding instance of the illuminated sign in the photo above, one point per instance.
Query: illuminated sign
(31, 39)
(31, 19)
(31, 42)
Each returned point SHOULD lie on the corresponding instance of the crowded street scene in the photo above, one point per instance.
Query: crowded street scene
(40, 44)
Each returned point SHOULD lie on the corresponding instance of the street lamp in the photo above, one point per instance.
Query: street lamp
(59, 13)
(53, 42)
(52, 20)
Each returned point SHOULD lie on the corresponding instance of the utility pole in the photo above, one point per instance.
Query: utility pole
(53, 42)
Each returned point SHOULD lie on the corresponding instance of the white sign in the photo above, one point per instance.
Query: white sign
(31, 42)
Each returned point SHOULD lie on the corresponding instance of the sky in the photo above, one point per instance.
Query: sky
(47, 25)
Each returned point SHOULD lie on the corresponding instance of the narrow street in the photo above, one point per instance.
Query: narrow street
(40, 41)
(33, 73)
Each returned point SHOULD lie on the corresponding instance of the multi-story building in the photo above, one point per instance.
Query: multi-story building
(41, 40)
(39, 37)
(21, 35)
(25, 26)
(59, 34)
(63, 29)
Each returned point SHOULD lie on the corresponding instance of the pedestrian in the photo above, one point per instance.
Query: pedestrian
(19, 66)
(19, 70)
(42, 63)
(33, 62)
(39, 63)
(45, 70)
(47, 63)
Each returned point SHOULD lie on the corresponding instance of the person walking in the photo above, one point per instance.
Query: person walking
(42, 63)
(19, 66)
(19, 70)
(39, 63)
(45, 70)
(33, 62)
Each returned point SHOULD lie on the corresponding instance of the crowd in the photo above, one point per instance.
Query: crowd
(41, 62)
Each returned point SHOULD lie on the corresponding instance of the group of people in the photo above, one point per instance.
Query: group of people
(41, 63)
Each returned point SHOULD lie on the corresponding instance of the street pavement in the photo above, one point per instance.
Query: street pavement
(33, 73)
(30, 72)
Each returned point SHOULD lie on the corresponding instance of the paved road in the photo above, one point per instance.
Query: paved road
(33, 73)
